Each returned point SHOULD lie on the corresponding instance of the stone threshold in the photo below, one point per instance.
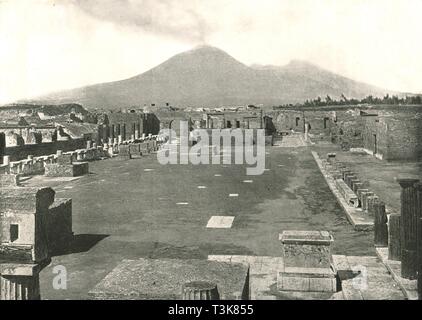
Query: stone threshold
(359, 219)
(408, 287)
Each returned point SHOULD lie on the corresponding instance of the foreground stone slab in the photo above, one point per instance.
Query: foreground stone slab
(163, 279)
(220, 222)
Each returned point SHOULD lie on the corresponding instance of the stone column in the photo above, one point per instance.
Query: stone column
(380, 225)
(59, 152)
(88, 144)
(394, 239)
(200, 290)
(409, 222)
(419, 238)
(6, 160)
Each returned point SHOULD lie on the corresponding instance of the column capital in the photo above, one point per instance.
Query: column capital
(407, 182)
(418, 186)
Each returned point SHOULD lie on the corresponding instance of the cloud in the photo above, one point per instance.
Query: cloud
(163, 17)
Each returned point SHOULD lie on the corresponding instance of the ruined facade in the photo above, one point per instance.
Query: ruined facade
(126, 125)
(389, 132)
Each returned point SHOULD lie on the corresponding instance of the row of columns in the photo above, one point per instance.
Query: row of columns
(119, 132)
(402, 233)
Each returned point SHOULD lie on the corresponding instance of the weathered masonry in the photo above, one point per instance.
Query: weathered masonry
(116, 127)
(33, 225)
(387, 131)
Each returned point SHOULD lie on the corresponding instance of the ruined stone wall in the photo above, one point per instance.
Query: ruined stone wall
(319, 121)
(27, 135)
(404, 138)
(22, 152)
(394, 134)
(346, 128)
(286, 120)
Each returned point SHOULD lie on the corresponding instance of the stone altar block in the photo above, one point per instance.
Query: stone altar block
(307, 262)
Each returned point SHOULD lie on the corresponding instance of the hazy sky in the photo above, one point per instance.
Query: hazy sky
(48, 45)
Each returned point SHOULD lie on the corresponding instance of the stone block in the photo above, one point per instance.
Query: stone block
(9, 180)
(135, 149)
(356, 186)
(307, 280)
(347, 193)
(64, 159)
(70, 170)
(306, 249)
(25, 199)
(364, 199)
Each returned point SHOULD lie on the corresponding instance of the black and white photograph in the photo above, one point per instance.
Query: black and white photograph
(210, 154)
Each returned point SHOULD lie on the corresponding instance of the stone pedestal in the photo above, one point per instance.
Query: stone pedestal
(380, 225)
(307, 262)
(331, 157)
(200, 290)
(418, 187)
(394, 241)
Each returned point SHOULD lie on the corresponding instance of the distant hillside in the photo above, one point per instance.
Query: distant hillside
(209, 77)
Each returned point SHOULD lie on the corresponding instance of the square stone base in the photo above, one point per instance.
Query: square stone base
(307, 279)
(66, 170)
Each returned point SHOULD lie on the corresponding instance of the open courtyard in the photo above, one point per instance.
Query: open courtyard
(129, 209)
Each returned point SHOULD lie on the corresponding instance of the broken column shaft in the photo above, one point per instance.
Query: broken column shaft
(409, 222)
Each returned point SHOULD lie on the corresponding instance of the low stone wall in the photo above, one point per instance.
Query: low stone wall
(18, 153)
(136, 148)
(37, 165)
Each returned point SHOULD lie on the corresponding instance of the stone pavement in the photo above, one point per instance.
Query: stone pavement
(408, 287)
(366, 278)
(362, 278)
